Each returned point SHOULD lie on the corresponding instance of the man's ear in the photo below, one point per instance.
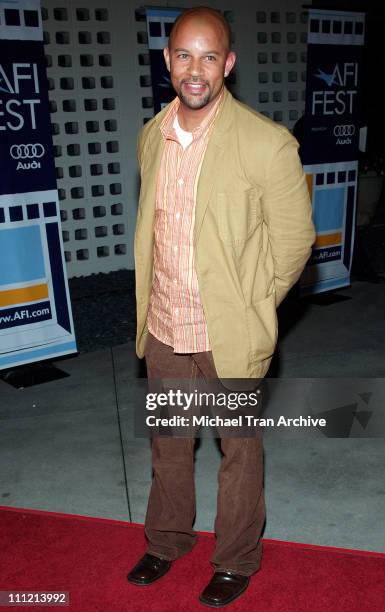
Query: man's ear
(166, 55)
(230, 61)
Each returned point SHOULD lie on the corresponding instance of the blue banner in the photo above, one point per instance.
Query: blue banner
(329, 149)
(35, 312)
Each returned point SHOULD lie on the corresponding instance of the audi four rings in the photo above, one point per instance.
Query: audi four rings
(344, 130)
(27, 151)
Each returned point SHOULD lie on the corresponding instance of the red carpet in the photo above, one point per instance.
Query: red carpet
(90, 558)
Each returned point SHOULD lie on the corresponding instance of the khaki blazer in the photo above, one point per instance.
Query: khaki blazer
(252, 236)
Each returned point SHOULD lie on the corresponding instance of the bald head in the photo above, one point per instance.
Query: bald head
(202, 16)
(198, 59)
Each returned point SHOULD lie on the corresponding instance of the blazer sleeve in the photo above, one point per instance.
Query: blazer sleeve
(288, 214)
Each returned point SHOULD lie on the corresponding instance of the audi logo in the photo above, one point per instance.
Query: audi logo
(27, 151)
(344, 130)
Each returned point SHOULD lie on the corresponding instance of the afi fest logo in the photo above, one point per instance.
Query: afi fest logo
(338, 98)
(27, 151)
(19, 111)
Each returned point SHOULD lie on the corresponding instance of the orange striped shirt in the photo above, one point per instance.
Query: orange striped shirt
(176, 315)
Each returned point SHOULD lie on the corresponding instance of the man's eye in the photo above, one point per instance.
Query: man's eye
(182, 55)
(211, 58)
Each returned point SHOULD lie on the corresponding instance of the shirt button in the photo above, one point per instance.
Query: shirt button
(175, 248)
(177, 215)
(175, 281)
(180, 181)
(176, 311)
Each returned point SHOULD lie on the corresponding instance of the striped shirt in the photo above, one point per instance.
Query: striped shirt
(176, 315)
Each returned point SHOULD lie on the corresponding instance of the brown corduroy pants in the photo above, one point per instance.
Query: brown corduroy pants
(171, 507)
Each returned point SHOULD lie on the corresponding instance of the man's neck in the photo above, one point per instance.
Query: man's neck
(189, 119)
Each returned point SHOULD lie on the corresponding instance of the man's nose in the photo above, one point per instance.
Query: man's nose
(195, 67)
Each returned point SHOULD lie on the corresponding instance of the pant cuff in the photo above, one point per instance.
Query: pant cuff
(236, 571)
(159, 555)
(167, 557)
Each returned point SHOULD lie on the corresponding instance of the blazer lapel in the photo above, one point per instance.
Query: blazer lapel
(212, 161)
(207, 180)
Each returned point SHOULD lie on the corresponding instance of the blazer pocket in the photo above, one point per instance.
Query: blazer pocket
(239, 214)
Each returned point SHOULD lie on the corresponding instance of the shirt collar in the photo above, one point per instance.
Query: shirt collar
(168, 130)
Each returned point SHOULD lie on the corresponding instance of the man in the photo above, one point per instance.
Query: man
(224, 230)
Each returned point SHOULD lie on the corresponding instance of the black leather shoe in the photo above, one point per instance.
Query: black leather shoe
(149, 569)
(223, 588)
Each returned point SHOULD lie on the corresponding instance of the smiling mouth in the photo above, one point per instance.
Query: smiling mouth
(194, 87)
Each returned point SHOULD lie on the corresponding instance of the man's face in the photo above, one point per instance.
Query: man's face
(198, 61)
